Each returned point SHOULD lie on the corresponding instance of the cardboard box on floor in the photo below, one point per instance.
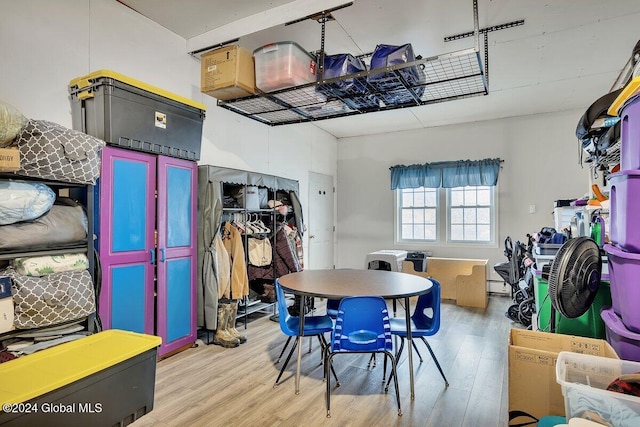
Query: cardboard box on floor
(533, 388)
(228, 73)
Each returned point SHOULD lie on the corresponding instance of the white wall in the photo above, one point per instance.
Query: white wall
(45, 44)
(541, 165)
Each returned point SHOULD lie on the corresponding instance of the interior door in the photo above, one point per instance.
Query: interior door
(126, 239)
(176, 260)
(320, 222)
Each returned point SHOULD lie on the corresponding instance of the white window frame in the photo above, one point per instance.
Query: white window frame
(443, 227)
(398, 219)
(492, 221)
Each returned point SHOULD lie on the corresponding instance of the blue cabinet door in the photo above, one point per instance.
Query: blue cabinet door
(127, 212)
(176, 265)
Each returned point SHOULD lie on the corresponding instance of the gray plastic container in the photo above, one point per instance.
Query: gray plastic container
(134, 115)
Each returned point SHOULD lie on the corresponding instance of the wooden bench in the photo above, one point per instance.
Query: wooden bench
(462, 280)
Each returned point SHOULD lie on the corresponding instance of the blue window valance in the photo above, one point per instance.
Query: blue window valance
(446, 174)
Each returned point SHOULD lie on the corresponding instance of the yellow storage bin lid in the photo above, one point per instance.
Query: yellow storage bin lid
(31, 376)
(80, 83)
(629, 91)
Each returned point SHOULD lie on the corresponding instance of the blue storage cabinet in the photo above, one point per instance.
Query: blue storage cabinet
(147, 246)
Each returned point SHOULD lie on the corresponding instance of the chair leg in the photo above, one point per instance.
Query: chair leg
(283, 349)
(398, 353)
(321, 348)
(327, 364)
(325, 351)
(435, 359)
(394, 373)
(286, 362)
(384, 369)
(416, 349)
(372, 360)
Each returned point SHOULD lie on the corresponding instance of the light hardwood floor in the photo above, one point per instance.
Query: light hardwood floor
(212, 386)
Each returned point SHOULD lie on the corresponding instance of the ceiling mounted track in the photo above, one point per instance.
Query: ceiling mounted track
(447, 77)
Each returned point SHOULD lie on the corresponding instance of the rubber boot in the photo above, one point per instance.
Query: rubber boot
(222, 337)
(231, 322)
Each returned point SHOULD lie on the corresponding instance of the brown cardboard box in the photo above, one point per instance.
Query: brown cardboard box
(533, 388)
(9, 159)
(228, 73)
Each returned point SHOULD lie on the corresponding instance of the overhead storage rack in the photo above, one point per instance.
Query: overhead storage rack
(447, 77)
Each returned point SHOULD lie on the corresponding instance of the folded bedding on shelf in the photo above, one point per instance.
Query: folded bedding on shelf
(23, 201)
(49, 264)
(51, 151)
(63, 224)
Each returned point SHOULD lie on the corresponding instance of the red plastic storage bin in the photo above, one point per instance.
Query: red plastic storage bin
(624, 193)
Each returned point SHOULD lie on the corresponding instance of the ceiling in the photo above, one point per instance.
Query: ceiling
(567, 54)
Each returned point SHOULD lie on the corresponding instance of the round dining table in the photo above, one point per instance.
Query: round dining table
(340, 283)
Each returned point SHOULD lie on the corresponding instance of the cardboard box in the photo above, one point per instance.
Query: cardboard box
(228, 73)
(9, 159)
(533, 388)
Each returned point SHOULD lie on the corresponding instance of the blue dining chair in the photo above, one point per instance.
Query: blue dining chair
(332, 307)
(332, 311)
(362, 326)
(425, 322)
(290, 326)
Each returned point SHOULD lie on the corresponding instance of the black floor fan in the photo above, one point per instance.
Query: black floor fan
(574, 278)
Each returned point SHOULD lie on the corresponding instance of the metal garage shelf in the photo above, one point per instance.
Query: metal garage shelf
(449, 76)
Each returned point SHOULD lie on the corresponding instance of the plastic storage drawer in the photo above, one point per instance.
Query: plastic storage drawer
(282, 65)
(625, 342)
(630, 134)
(624, 270)
(131, 114)
(624, 192)
(584, 380)
(103, 379)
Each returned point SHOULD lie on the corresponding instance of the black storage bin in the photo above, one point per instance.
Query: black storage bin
(419, 260)
(132, 114)
(118, 390)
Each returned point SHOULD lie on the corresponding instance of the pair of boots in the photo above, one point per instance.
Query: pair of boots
(226, 334)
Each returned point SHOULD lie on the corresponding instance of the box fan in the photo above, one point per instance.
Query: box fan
(574, 278)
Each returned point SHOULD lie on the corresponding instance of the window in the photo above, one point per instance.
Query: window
(469, 213)
(419, 214)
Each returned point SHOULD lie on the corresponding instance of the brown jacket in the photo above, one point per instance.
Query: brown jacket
(233, 244)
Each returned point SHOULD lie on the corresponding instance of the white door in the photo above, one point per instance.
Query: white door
(320, 222)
